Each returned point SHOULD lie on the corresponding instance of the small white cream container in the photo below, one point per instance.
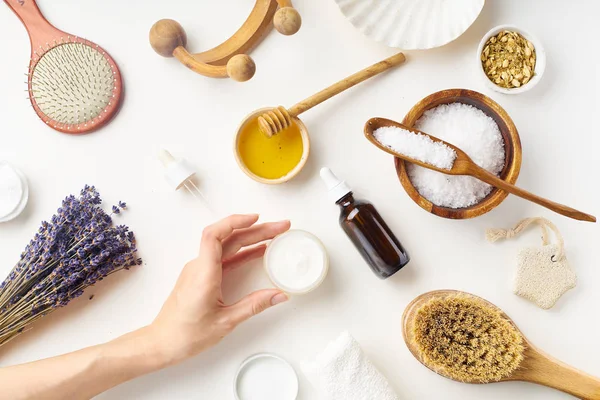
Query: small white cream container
(14, 192)
(265, 376)
(540, 62)
(281, 278)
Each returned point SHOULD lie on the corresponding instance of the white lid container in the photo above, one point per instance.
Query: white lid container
(265, 376)
(14, 192)
(296, 261)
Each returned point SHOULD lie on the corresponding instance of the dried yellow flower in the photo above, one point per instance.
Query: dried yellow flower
(508, 59)
(465, 339)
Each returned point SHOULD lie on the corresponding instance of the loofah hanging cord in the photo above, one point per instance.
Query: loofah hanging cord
(492, 235)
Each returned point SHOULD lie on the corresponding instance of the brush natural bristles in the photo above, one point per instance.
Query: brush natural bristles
(465, 339)
(72, 84)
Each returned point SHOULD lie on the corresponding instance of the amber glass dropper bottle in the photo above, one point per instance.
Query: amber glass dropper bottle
(366, 229)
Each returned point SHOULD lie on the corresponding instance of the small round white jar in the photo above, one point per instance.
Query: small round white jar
(296, 261)
(14, 192)
(265, 376)
(540, 64)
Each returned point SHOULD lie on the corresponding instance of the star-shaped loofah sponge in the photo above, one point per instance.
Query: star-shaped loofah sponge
(540, 277)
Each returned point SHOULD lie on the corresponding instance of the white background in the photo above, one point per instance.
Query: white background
(168, 106)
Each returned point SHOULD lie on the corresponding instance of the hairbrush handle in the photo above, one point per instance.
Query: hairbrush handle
(545, 370)
(40, 30)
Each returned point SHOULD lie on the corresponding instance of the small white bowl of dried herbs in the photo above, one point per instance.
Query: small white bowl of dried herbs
(510, 59)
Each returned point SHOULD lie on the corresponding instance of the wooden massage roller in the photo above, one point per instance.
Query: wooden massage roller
(168, 39)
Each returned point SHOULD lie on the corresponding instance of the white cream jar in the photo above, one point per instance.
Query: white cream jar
(14, 192)
(296, 261)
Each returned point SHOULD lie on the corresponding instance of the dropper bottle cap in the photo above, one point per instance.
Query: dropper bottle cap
(180, 174)
(177, 171)
(336, 188)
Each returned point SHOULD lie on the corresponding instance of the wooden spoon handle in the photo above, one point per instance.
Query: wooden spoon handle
(545, 370)
(346, 83)
(493, 180)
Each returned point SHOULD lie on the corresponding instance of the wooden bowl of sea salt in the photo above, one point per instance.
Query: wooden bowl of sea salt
(480, 127)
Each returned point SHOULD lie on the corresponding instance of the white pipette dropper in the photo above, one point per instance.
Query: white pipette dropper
(180, 174)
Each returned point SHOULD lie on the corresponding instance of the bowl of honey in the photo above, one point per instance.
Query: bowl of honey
(271, 160)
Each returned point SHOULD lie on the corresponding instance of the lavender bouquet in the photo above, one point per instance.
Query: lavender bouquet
(77, 248)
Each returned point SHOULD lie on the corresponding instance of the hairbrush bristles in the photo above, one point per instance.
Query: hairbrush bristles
(73, 85)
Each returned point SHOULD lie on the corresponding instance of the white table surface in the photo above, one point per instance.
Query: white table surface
(168, 106)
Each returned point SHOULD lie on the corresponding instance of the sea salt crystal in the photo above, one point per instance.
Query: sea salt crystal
(466, 127)
(417, 146)
(472, 131)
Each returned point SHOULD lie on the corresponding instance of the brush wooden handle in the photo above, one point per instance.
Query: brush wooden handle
(41, 32)
(544, 370)
(493, 180)
(344, 84)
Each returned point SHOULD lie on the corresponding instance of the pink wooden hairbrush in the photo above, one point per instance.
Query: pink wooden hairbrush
(73, 84)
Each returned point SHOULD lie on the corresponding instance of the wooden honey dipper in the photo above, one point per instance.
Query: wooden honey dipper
(279, 118)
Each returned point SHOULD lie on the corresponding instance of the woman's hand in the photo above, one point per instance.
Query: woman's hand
(194, 317)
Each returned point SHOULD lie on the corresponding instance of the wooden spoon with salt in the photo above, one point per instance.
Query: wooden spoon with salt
(464, 165)
(536, 366)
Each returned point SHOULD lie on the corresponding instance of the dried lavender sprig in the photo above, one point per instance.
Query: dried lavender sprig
(25, 315)
(78, 247)
(63, 298)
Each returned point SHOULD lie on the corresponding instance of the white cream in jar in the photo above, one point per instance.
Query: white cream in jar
(296, 261)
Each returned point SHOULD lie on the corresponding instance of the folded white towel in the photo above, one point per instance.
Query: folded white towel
(343, 372)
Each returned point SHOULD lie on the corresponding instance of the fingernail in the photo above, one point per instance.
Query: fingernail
(284, 224)
(279, 298)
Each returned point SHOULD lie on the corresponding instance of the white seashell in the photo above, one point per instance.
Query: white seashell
(412, 24)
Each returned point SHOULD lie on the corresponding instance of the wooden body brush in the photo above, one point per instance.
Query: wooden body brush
(445, 315)
(464, 165)
(277, 119)
(73, 84)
